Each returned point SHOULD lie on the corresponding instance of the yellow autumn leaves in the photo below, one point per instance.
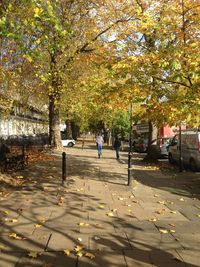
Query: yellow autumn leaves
(79, 252)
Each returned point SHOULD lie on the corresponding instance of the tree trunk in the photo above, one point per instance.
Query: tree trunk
(152, 153)
(153, 132)
(54, 124)
(68, 128)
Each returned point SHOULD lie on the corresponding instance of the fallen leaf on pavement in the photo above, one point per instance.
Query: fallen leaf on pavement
(161, 202)
(67, 251)
(110, 214)
(101, 206)
(20, 177)
(34, 254)
(173, 211)
(15, 236)
(114, 210)
(79, 189)
(121, 198)
(37, 225)
(172, 231)
(79, 254)
(160, 211)
(42, 221)
(78, 248)
(163, 231)
(181, 199)
(152, 220)
(13, 220)
(89, 255)
(83, 224)
(5, 212)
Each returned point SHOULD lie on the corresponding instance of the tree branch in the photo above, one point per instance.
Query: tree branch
(169, 81)
(83, 48)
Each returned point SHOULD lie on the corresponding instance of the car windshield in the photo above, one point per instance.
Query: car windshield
(167, 141)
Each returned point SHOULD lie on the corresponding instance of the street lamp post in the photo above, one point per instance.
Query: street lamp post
(180, 150)
(130, 148)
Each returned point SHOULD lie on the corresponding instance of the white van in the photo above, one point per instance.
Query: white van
(190, 146)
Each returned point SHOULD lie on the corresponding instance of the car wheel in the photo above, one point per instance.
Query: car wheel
(193, 166)
(170, 158)
(70, 144)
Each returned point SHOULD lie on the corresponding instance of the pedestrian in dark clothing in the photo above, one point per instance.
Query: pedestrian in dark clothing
(3, 151)
(117, 145)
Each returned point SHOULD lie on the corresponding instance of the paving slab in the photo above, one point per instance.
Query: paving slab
(138, 258)
(112, 241)
(190, 256)
(188, 240)
(114, 258)
(8, 259)
(67, 240)
(48, 259)
(118, 224)
(169, 258)
(23, 243)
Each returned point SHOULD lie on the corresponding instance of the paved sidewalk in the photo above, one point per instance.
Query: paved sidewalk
(96, 220)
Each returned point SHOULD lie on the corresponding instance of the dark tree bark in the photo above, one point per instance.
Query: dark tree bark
(54, 124)
(152, 153)
(54, 109)
(68, 128)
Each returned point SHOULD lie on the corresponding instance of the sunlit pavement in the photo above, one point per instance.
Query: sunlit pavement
(96, 219)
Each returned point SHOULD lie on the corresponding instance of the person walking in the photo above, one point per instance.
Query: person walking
(99, 142)
(117, 145)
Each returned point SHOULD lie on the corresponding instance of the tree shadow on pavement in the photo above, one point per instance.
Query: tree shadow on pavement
(185, 184)
(49, 219)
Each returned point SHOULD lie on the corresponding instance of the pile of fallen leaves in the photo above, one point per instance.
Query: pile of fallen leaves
(35, 156)
(8, 180)
(33, 153)
(166, 166)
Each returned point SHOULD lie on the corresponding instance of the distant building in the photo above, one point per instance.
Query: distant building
(23, 120)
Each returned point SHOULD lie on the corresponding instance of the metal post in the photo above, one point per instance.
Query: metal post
(64, 168)
(130, 149)
(180, 150)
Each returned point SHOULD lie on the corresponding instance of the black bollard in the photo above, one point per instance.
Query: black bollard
(64, 168)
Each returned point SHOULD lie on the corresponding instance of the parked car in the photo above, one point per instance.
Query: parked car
(161, 146)
(67, 141)
(190, 147)
(140, 145)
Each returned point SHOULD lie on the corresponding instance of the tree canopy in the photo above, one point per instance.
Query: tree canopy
(91, 58)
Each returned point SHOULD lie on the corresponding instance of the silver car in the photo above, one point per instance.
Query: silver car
(161, 144)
